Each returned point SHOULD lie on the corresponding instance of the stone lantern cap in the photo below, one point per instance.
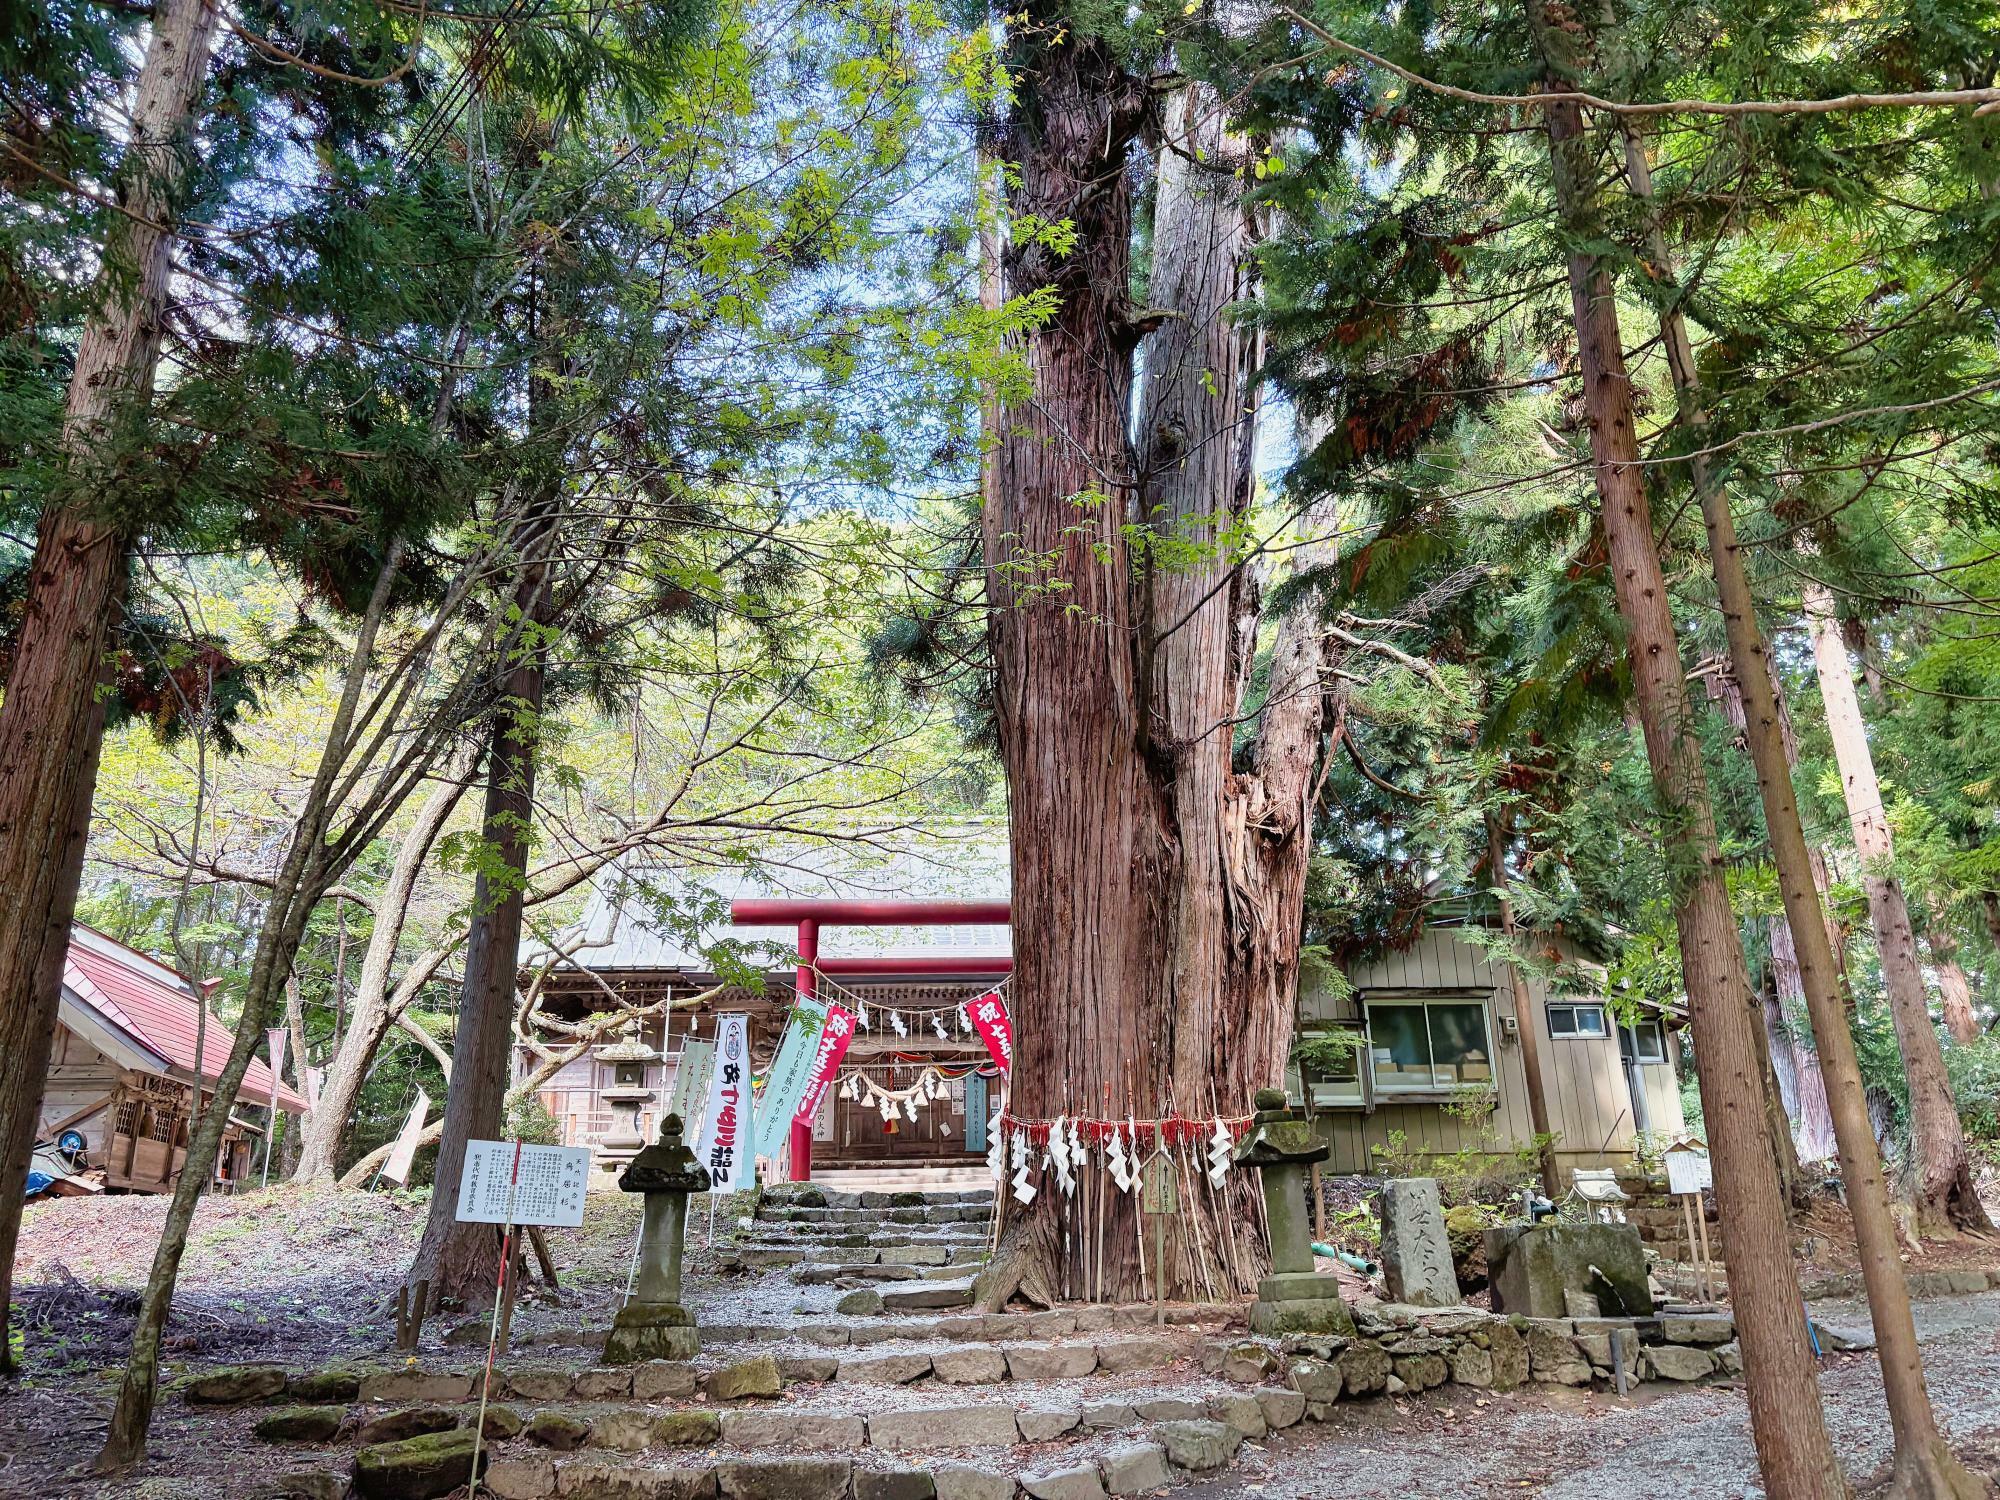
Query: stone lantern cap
(1279, 1136)
(666, 1166)
(628, 1050)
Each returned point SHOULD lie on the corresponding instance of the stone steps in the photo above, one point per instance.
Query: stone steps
(875, 1426)
(871, 1471)
(862, 1234)
(919, 1213)
(928, 1297)
(1060, 1323)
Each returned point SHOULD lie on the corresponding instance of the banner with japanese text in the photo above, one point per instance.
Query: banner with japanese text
(791, 1073)
(835, 1032)
(995, 1027)
(724, 1144)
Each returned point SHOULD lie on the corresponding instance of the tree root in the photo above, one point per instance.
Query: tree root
(1933, 1472)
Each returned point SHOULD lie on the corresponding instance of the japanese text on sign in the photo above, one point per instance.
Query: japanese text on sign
(547, 1189)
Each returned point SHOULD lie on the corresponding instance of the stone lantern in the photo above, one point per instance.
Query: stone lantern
(1283, 1146)
(654, 1325)
(629, 1058)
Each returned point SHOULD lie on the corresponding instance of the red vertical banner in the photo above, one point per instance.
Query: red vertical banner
(995, 1027)
(835, 1032)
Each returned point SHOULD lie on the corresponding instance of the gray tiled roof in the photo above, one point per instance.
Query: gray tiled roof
(647, 917)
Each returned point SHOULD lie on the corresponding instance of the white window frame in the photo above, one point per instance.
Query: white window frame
(1576, 1033)
(1641, 1027)
(1444, 1086)
(1330, 1095)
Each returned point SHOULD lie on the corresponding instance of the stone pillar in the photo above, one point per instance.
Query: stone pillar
(654, 1325)
(1416, 1253)
(1282, 1147)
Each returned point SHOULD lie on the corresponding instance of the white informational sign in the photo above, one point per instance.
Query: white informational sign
(397, 1168)
(724, 1143)
(1688, 1171)
(547, 1188)
(791, 1070)
(690, 1090)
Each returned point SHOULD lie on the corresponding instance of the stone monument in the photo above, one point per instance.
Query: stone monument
(629, 1058)
(1416, 1253)
(1542, 1271)
(653, 1324)
(1282, 1147)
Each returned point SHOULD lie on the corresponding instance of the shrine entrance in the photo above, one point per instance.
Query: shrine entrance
(912, 1034)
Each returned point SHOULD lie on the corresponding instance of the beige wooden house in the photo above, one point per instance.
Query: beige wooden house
(1440, 1059)
(129, 1047)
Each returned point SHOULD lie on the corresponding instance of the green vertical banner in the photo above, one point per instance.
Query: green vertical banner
(791, 1069)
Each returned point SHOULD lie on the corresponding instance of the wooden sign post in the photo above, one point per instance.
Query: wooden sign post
(511, 1183)
(1159, 1196)
(1688, 1175)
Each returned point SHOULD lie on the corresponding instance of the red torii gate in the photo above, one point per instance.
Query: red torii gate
(810, 915)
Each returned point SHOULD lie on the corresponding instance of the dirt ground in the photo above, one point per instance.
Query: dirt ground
(304, 1277)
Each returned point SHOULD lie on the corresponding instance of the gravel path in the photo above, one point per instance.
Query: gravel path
(1691, 1444)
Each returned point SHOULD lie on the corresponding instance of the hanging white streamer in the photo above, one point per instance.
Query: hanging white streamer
(996, 1146)
(1221, 1148)
(1114, 1158)
(1024, 1190)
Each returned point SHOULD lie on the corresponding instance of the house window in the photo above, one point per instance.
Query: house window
(1336, 1082)
(1577, 1020)
(1643, 1042)
(1424, 1046)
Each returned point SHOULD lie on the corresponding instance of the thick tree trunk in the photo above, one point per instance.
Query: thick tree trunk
(376, 1001)
(1804, 950)
(1524, 1016)
(1954, 991)
(1940, 1182)
(461, 1261)
(1777, 1119)
(1808, 1099)
(52, 718)
(1794, 1451)
(1158, 885)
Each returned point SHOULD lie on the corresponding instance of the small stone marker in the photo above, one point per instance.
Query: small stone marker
(654, 1325)
(1416, 1253)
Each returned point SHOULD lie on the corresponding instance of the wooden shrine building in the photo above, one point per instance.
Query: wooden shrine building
(118, 1103)
(648, 935)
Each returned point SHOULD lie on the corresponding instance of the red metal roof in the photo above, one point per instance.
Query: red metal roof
(158, 1005)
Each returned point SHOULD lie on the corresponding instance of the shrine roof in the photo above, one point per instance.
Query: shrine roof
(156, 1010)
(648, 917)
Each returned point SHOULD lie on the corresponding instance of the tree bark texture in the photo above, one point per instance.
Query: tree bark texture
(462, 1261)
(1158, 880)
(1795, 1453)
(1807, 1097)
(1805, 949)
(1954, 991)
(1530, 1045)
(1939, 1181)
(377, 999)
(52, 718)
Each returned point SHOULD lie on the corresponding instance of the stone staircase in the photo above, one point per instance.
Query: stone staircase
(893, 1249)
(807, 1389)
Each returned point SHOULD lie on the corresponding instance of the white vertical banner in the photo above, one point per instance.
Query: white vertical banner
(275, 1040)
(397, 1168)
(724, 1144)
(690, 1091)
